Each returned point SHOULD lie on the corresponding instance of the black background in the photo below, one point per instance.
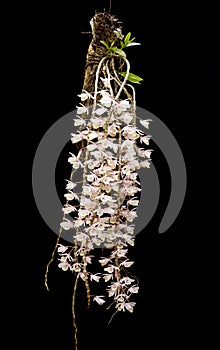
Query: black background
(178, 61)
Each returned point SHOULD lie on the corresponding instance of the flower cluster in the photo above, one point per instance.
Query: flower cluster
(109, 193)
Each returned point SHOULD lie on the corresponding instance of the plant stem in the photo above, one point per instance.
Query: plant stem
(51, 260)
(96, 84)
(74, 314)
(125, 79)
(57, 242)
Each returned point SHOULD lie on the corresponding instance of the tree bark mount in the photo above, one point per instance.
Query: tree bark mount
(107, 28)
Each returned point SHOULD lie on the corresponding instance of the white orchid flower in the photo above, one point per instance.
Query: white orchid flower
(82, 109)
(67, 209)
(99, 299)
(145, 123)
(70, 185)
(67, 224)
(79, 122)
(85, 95)
(145, 139)
(133, 289)
(95, 277)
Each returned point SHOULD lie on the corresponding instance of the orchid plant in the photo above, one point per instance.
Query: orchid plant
(104, 204)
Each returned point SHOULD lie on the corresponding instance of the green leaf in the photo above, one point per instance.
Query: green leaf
(104, 43)
(122, 44)
(112, 44)
(119, 51)
(133, 78)
(127, 38)
(133, 44)
(130, 41)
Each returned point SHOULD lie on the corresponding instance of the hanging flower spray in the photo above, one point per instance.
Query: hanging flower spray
(110, 150)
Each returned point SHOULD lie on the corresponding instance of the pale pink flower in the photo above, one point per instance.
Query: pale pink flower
(113, 130)
(70, 185)
(96, 154)
(134, 164)
(99, 299)
(76, 138)
(133, 176)
(106, 99)
(145, 164)
(107, 179)
(131, 216)
(89, 258)
(127, 144)
(104, 261)
(115, 286)
(107, 277)
(130, 229)
(109, 211)
(126, 281)
(82, 109)
(67, 209)
(77, 267)
(144, 153)
(125, 306)
(79, 121)
(127, 263)
(82, 213)
(146, 122)
(91, 135)
(80, 251)
(61, 248)
(101, 110)
(67, 224)
(130, 190)
(129, 132)
(91, 147)
(126, 170)
(103, 169)
(133, 289)
(112, 163)
(94, 192)
(121, 297)
(85, 95)
(147, 153)
(130, 241)
(133, 202)
(74, 161)
(121, 252)
(99, 212)
(95, 277)
(82, 275)
(145, 139)
(64, 265)
(81, 237)
(79, 223)
(97, 123)
(91, 177)
(111, 293)
(86, 190)
(93, 164)
(96, 241)
(106, 143)
(123, 106)
(70, 196)
(129, 156)
(106, 198)
(126, 118)
(110, 269)
(87, 203)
